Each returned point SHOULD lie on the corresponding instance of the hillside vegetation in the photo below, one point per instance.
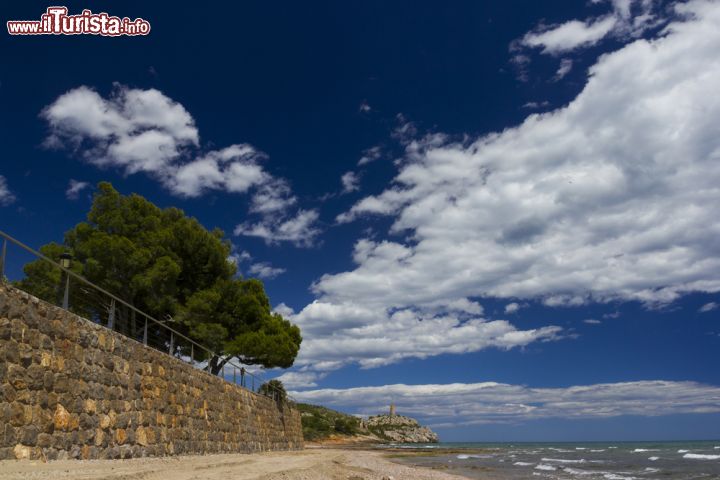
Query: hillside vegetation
(321, 423)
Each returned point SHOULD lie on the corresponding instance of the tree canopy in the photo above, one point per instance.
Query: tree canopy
(167, 264)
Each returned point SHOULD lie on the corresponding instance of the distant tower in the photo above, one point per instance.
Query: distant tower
(392, 409)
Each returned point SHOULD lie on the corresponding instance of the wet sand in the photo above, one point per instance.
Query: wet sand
(309, 464)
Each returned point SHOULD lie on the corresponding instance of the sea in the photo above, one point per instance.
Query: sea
(566, 461)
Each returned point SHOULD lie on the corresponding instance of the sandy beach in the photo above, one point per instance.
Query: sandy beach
(309, 464)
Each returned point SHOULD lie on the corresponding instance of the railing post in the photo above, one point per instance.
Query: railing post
(192, 354)
(111, 315)
(234, 375)
(172, 343)
(66, 296)
(145, 332)
(2, 260)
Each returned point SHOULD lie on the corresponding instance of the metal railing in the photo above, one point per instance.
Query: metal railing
(59, 285)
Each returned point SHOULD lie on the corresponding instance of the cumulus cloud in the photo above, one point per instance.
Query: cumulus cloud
(607, 198)
(6, 196)
(236, 258)
(627, 19)
(405, 130)
(370, 155)
(301, 379)
(570, 35)
(512, 307)
(373, 335)
(709, 307)
(299, 229)
(350, 182)
(74, 188)
(459, 404)
(566, 65)
(265, 271)
(273, 196)
(536, 105)
(231, 169)
(138, 130)
(364, 107)
(610, 198)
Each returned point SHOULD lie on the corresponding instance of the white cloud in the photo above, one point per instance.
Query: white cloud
(136, 130)
(709, 307)
(350, 182)
(566, 65)
(405, 129)
(6, 196)
(536, 105)
(74, 188)
(300, 229)
(460, 404)
(236, 258)
(300, 379)
(512, 307)
(607, 198)
(570, 35)
(273, 196)
(370, 155)
(520, 63)
(139, 130)
(232, 169)
(145, 131)
(265, 271)
(592, 321)
(628, 19)
(364, 107)
(373, 335)
(610, 198)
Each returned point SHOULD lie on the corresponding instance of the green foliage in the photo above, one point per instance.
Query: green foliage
(319, 422)
(275, 389)
(168, 265)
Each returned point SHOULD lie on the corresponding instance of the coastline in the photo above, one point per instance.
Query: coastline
(317, 463)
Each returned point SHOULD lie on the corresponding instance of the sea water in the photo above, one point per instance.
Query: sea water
(565, 461)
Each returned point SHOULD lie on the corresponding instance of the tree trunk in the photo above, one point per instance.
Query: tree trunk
(216, 363)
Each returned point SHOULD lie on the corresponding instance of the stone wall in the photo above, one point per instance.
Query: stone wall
(72, 389)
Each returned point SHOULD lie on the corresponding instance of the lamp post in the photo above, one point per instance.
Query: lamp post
(65, 260)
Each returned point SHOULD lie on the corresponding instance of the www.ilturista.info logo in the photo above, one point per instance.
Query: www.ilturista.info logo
(56, 21)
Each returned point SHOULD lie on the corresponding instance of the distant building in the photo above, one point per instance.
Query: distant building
(392, 409)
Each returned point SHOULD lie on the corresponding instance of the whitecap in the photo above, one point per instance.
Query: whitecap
(654, 459)
(652, 470)
(467, 456)
(637, 450)
(613, 476)
(683, 451)
(560, 450)
(545, 467)
(576, 471)
(563, 460)
(523, 464)
(580, 448)
(700, 456)
(597, 451)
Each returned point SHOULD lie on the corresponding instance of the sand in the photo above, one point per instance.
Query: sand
(309, 464)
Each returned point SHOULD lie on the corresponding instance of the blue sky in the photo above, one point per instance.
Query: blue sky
(503, 216)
